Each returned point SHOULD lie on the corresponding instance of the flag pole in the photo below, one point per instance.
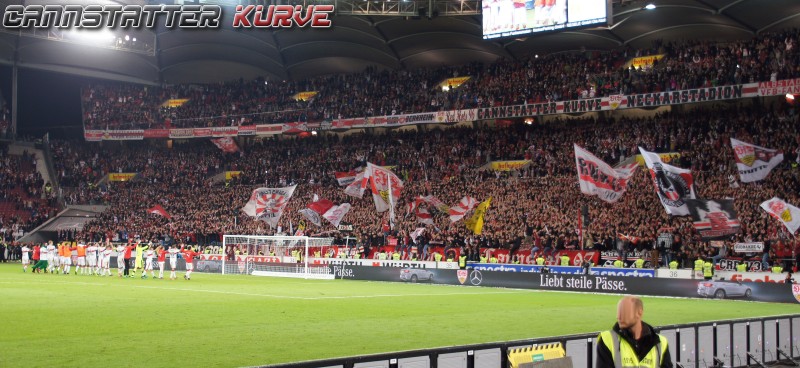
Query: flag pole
(391, 203)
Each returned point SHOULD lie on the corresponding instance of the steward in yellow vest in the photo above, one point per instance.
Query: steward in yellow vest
(619, 264)
(632, 342)
(673, 265)
(708, 270)
(565, 260)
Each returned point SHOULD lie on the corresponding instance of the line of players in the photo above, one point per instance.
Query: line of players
(95, 259)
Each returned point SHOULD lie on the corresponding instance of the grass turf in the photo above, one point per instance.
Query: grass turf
(226, 320)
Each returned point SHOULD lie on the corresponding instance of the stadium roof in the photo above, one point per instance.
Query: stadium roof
(357, 41)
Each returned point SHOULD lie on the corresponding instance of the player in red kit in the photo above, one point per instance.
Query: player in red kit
(162, 259)
(188, 255)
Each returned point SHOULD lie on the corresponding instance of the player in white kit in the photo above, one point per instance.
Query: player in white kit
(51, 257)
(107, 261)
(91, 259)
(173, 261)
(26, 260)
(120, 259)
(149, 254)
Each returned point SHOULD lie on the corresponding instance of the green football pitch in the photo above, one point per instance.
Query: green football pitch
(230, 321)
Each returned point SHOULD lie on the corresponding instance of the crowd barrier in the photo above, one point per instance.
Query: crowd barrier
(730, 343)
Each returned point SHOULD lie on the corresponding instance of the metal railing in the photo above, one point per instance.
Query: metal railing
(728, 343)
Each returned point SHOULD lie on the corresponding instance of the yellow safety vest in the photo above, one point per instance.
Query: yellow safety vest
(462, 261)
(777, 269)
(707, 269)
(673, 265)
(639, 263)
(619, 264)
(625, 356)
(698, 265)
(540, 261)
(565, 260)
(741, 267)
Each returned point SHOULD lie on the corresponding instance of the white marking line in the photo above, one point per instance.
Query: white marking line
(322, 297)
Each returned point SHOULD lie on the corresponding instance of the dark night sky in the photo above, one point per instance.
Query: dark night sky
(48, 102)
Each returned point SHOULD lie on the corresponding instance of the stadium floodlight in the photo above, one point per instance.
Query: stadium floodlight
(650, 6)
(790, 97)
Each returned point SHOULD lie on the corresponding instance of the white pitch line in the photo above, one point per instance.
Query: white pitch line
(319, 297)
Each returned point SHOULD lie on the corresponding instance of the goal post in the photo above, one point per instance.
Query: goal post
(276, 256)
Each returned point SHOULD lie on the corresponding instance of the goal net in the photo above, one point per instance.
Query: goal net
(277, 256)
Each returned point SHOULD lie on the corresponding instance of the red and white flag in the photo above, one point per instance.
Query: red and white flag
(327, 210)
(673, 185)
(345, 177)
(335, 214)
(786, 213)
(754, 162)
(158, 210)
(226, 144)
(460, 209)
(382, 182)
(598, 178)
(424, 216)
(356, 189)
(267, 204)
(436, 203)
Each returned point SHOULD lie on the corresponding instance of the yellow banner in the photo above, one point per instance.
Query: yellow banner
(121, 176)
(509, 165)
(475, 223)
(175, 102)
(304, 96)
(454, 82)
(666, 158)
(231, 174)
(644, 62)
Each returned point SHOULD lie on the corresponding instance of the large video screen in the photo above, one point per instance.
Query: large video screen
(506, 18)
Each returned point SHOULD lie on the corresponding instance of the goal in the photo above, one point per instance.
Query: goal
(277, 256)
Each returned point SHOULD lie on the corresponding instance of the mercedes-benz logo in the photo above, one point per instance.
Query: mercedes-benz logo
(475, 277)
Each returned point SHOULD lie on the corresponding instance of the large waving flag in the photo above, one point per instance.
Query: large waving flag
(226, 144)
(355, 188)
(345, 177)
(324, 208)
(714, 219)
(435, 203)
(424, 216)
(267, 204)
(599, 178)
(158, 210)
(754, 162)
(460, 209)
(673, 185)
(786, 213)
(382, 182)
(475, 223)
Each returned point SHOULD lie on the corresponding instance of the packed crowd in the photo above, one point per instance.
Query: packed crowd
(535, 207)
(768, 56)
(26, 201)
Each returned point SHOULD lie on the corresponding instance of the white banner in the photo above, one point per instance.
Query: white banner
(267, 204)
(383, 263)
(754, 162)
(754, 247)
(673, 185)
(599, 178)
(311, 216)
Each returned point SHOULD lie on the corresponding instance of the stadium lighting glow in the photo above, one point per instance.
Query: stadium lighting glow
(790, 97)
(127, 38)
(650, 6)
(91, 36)
(314, 132)
(529, 121)
(445, 88)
